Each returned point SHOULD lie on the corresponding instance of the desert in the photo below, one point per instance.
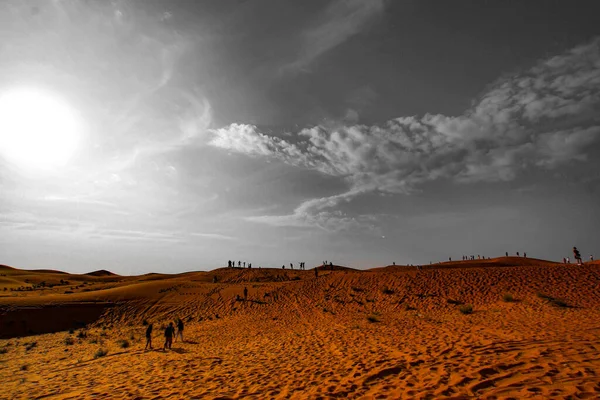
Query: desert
(503, 328)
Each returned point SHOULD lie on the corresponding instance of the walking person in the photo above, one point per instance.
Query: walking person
(245, 293)
(148, 337)
(179, 329)
(169, 330)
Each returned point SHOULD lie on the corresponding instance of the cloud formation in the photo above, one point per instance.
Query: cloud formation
(340, 21)
(544, 117)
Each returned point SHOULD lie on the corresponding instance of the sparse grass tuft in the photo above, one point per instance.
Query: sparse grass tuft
(69, 341)
(145, 322)
(100, 353)
(507, 297)
(81, 334)
(466, 309)
(373, 318)
(357, 289)
(30, 345)
(387, 290)
(93, 341)
(24, 367)
(409, 308)
(71, 331)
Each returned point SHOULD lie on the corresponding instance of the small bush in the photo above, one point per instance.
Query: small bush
(373, 318)
(466, 309)
(507, 297)
(30, 345)
(123, 343)
(71, 331)
(3, 350)
(145, 322)
(388, 291)
(357, 289)
(81, 334)
(69, 341)
(93, 341)
(100, 353)
(24, 367)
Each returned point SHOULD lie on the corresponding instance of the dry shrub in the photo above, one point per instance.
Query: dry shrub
(466, 309)
(100, 353)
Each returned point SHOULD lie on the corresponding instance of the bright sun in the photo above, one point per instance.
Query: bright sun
(37, 129)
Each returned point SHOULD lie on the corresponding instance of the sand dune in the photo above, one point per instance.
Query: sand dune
(390, 332)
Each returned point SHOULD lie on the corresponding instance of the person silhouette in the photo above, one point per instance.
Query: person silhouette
(506, 254)
(179, 329)
(316, 272)
(149, 336)
(576, 255)
(169, 330)
(245, 293)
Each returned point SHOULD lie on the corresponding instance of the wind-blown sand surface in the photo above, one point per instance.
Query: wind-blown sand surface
(391, 332)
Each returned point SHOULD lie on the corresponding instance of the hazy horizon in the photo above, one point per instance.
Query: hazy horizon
(171, 136)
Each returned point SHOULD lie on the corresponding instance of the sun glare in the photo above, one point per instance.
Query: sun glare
(37, 129)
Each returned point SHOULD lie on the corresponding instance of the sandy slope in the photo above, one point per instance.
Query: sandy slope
(302, 337)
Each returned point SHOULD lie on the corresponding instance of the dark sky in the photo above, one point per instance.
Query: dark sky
(175, 135)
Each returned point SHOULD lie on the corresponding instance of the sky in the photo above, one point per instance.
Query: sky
(358, 132)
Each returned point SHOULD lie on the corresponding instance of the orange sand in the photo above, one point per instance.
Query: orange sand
(302, 337)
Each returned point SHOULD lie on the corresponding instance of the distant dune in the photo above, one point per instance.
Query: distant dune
(509, 327)
(101, 272)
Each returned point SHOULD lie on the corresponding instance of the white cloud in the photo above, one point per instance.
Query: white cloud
(544, 117)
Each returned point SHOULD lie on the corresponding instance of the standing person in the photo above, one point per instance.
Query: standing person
(169, 330)
(179, 329)
(239, 264)
(506, 254)
(245, 293)
(591, 257)
(568, 260)
(148, 337)
(517, 254)
(524, 255)
(576, 255)
(564, 260)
